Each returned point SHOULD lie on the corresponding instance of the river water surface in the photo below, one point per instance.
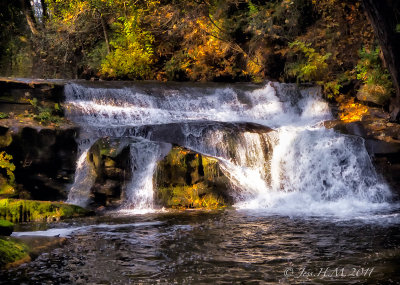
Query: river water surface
(219, 247)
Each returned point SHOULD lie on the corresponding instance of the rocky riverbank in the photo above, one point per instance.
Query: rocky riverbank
(38, 159)
(38, 141)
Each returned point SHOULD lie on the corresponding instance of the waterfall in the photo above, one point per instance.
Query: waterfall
(270, 142)
(139, 193)
(317, 171)
(79, 191)
(136, 105)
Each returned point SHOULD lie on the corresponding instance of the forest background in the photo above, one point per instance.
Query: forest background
(327, 42)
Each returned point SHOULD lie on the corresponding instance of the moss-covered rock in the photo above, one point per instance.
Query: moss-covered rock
(29, 210)
(12, 251)
(6, 228)
(186, 179)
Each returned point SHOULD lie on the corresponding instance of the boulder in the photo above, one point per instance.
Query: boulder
(233, 141)
(44, 159)
(186, 179)
(375, 94)
(110, 159)
(6, 228)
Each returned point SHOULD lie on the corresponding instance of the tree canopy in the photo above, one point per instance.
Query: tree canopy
(202, 40)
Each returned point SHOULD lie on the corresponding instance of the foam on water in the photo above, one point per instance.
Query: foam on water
(66, 232)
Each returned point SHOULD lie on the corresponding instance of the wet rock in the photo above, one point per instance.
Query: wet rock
(113, 169)
(110, 161)
(388, 166)
(45, 160)
(217, 139)
(16, 93)
(186, 179)
(195, 134)
(375, 94)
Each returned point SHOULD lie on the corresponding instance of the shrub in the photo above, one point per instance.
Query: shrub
(46, 115)
(377, 83)
(5, 163)
(133, 51)
(310, 66)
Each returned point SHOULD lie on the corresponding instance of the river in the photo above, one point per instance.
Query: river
(219, 247)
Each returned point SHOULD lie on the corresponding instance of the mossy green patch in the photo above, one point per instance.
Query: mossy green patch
(108, 147)
(11, 251)
(30, 210)
(106, 150)
(194, 196)
(5, 223)
(3, 115)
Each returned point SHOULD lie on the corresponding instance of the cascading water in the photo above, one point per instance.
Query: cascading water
(297, 166)
(148, 105)
(79, 191)
(315, 171)
(139, 193)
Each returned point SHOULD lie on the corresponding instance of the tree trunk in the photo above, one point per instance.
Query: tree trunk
(103, 24)
(384, 16)
(30, 17)
(44, 11)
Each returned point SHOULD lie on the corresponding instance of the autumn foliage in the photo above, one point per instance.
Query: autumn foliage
(234, 40)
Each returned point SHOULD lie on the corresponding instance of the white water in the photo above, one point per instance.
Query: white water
(298, 168)
(79, 191)
(111, 107)
(314, 171)
(65, 232)
(139, 193)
